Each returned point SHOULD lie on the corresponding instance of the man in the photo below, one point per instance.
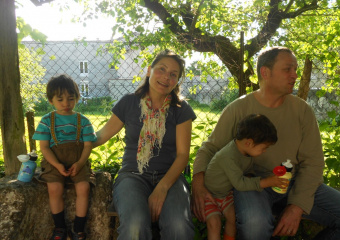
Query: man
(298, 140)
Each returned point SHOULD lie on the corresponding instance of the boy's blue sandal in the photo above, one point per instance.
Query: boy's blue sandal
(78, 236)
(59, 234)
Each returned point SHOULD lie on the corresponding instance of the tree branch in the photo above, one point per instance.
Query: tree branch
(289, 5)
(274, 19)
(164, 16)
(193, 24)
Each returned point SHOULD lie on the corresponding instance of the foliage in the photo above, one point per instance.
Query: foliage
(111, 161)
(108, 156)
(316, 36)
(331, 137)
(42, 106)
(97, 104)
(31, 72)
(31, 75)
(209, 27)
(227, 97)
(26, 30)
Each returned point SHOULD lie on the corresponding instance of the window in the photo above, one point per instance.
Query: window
(84, 89)
(83, 67)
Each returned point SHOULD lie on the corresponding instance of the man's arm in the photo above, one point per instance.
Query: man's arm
(308, 177)
(199, 194)
(222, 134)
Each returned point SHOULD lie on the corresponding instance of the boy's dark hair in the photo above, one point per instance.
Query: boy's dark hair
(58, 84)
(267, 58)
(258, 128)
(143, 89)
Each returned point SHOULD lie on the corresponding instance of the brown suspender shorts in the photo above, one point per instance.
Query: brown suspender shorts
(67, 154)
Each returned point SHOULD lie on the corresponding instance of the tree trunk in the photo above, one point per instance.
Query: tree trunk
(11, 112)
(305, 79)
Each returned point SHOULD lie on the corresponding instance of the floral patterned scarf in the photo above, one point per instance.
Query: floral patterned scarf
(153, 130)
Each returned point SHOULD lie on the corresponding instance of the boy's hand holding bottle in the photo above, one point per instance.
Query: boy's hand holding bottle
(274, 181)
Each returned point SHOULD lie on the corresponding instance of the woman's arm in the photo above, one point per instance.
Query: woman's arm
(183, 140)
(111, 128)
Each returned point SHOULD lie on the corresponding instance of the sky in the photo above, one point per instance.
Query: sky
(58, 26)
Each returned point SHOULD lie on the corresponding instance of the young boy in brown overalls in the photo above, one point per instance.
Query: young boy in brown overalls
(66, 142)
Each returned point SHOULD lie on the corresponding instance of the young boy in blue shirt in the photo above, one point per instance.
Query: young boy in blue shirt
(65, 142)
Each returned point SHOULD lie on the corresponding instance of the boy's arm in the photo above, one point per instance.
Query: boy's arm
(86, 153)
(51, 158)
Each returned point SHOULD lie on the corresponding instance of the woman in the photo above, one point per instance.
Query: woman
(150, 186)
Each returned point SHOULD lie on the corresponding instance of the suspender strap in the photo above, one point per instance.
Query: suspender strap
(78, 127)
(53, 128)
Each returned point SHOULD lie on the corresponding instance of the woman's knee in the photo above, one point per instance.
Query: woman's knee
(134, 227)
(182, 228)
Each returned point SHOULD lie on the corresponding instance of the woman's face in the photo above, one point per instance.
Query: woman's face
(164, 76)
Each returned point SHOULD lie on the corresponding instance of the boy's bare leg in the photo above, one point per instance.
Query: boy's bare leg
(230, 221)
(82, 202)
(55, 193)
(214, 227)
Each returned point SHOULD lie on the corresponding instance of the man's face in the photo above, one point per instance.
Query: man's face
(281, 78)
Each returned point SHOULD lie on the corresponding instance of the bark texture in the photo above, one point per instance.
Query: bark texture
(25, 212)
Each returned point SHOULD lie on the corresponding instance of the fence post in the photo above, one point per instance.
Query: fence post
(31, 130)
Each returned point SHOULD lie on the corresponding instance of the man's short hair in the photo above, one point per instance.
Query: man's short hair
(267, 58)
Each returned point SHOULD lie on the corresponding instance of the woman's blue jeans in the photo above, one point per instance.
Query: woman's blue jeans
(255, 220)
(130, 195)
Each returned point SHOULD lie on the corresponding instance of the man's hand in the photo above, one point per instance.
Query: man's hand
(289, 221)
(199, 194)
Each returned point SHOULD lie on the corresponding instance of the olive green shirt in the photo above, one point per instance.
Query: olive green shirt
(226, 171)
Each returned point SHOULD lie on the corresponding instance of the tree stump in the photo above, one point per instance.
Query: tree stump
(25, 212)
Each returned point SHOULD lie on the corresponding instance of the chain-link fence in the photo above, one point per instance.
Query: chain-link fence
(101, 84)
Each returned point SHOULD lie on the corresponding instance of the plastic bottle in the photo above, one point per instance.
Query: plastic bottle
(287, 175)
(28, 166)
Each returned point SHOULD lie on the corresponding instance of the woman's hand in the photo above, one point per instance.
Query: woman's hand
(156, 201)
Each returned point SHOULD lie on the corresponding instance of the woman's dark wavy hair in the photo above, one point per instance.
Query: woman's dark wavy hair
(143, 89)
(258, 128)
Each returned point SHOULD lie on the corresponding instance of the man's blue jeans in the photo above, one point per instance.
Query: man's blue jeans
(130, 194)
(255, 220)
